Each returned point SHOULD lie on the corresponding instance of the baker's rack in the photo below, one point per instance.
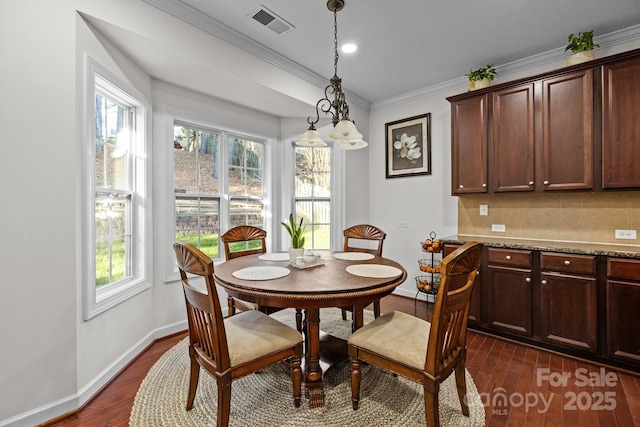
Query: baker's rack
(429, 282)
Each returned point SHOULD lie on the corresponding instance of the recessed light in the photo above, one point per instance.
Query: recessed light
(349, 47)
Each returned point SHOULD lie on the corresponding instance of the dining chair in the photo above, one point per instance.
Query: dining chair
(237, 242)
(422, 351)
(362, 233)
(232, 347)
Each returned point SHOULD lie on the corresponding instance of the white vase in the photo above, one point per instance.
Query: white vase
(295, 253)
(580, 57)
(479, 84)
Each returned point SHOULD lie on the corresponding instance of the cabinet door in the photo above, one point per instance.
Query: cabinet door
(512, 154)
(569, 310)
(620, 124)
(623, 320)
(567, 132)
(469, 145)
(510, 299)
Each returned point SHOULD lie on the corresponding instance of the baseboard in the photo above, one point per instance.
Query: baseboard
(72, 403)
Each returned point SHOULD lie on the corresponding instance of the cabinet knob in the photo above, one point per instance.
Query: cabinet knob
(528, 280)
(530, 182)
(484, 185)
(567, 262)
(544, 282)
(546, 182)
(477, 272)
(460, 186)
(508, 257)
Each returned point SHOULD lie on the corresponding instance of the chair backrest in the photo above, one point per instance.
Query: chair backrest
(448, 334)
(207, 335)
(363, 232)
(243, 233)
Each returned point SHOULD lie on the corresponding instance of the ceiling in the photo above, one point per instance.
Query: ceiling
(404, 45)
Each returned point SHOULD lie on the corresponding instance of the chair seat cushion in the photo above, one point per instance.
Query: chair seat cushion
(397, 336)
(253, 334)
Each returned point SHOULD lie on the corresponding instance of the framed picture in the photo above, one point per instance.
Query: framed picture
(408, 147)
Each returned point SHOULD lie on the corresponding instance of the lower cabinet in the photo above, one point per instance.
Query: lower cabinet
(569, 306)
(623, 310)
(562, 301)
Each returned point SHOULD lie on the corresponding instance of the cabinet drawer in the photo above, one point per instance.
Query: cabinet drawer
(623, 268)
(509, 257)
(585, 264)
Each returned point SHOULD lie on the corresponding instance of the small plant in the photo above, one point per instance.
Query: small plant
(581, 43)
(295, 231)
(481, 73)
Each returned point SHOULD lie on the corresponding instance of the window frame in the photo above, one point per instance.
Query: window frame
(175, 116)
(98, 300)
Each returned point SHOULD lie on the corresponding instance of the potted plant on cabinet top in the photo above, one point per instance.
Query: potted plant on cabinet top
(482, 77)
(582, 47)
(297, 239)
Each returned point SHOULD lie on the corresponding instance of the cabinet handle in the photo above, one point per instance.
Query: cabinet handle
(528, 280)
(484, 185)
(508, 257)
(567, 262)
(544, 282)
(546, 182)
(460, 186)
(530, 182)
(477, 272)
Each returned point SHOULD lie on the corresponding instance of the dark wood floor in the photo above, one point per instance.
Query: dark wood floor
(499, 369)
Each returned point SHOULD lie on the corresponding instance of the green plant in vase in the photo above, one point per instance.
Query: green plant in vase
(582, 47)
(297, 239)
(482, 77)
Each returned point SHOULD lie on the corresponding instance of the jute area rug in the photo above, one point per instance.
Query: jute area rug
(265, 399)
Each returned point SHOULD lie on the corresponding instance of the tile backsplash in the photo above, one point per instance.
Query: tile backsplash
(576, 217)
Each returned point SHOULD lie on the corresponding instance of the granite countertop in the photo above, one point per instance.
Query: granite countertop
(608, 249)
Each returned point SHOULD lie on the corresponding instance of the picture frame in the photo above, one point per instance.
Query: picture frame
(408, 147)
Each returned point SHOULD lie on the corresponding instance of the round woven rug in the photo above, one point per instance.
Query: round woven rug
(265, 399)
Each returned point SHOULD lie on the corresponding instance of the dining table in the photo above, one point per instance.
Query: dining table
(333, 279)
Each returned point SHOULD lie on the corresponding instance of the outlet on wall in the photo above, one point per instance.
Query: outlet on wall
(626, 234)
(500, 228)
(484, 210)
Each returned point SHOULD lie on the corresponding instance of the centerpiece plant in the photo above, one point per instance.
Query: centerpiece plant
(295, 230)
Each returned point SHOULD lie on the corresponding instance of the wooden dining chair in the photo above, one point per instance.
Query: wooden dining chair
(232, 347)
(240, 241)
(422, 351)
(363, 233)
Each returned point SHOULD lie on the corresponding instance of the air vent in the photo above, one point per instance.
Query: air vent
(271, 20)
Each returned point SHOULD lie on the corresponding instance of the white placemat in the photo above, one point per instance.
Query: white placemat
(275, 256)
(265, 272)
(373, 270)
(353, 256)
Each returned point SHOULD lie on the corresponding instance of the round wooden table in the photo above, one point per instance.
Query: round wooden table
(325, 285)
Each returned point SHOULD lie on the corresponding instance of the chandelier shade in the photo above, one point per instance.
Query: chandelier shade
(344, 130)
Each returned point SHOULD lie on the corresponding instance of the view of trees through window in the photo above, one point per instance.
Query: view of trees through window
(313, 194)
(199, 189)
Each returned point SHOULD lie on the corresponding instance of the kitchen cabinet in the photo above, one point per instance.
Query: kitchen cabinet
(573, 129)
(620, 124)
(509, 291)
(475, 306)
(569, 307)
(623, 310)
(469, 154)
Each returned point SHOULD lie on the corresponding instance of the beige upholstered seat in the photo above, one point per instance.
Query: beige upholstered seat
(363, 232)
(419, 350)
(233, 347)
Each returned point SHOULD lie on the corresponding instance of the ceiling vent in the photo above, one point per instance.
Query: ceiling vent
(271, 20)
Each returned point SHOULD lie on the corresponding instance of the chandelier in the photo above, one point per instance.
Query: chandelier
(344, 130)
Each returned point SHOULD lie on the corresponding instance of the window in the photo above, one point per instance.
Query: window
(117, 265)
(209, 197)
(313, 195)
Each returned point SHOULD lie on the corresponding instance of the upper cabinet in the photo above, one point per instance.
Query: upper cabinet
(544, 133)
(620, 124)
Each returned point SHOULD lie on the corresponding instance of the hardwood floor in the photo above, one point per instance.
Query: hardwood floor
(510, 377)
